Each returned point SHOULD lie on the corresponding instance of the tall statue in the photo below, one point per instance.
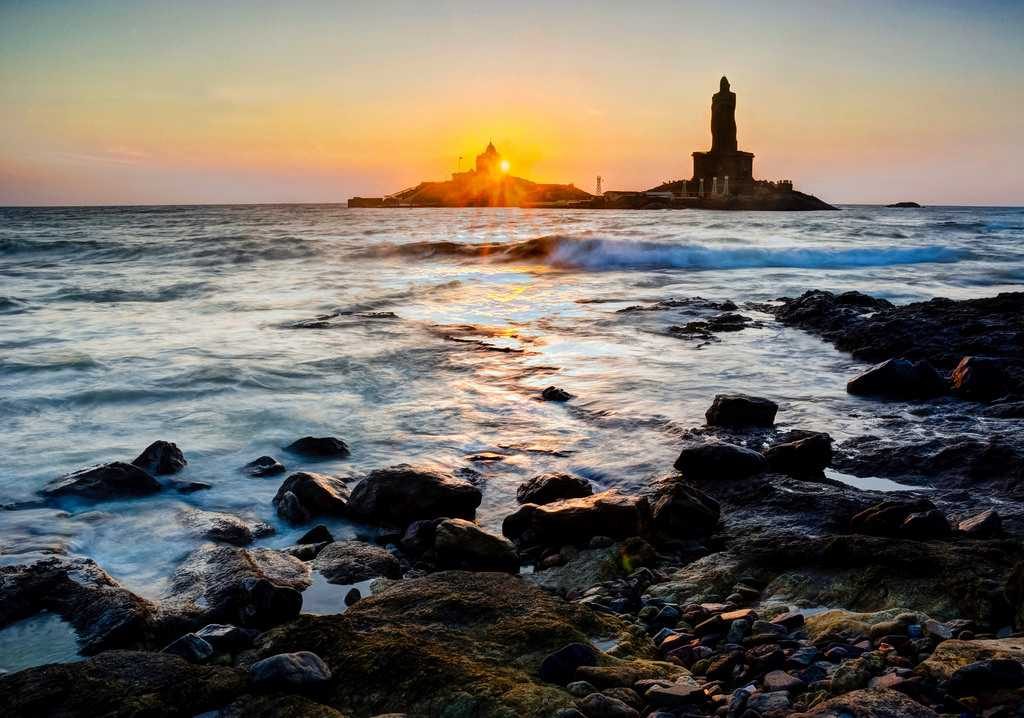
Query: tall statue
(723, 119)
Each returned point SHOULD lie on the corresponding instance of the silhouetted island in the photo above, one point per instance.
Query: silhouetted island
(904, 205)
(723, 178)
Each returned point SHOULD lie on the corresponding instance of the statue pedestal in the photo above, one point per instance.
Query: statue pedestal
(737, 166)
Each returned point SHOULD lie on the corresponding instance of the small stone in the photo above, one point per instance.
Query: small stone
(776, 702)
(678, 694)
(323, 447)
(781, 681)
(190, 647)
(299, 672)
(264, 466)
(580, 689)
(791, 620)
(554, 393)
(598, 705)
(317, 534)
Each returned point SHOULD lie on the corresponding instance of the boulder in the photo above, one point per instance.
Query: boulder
(462, 544)
(899, 379)
(120, 684)
(560, 666)
(887, 518)
(311, 495)
(680, 511)
(191, 647)
(545, 488)
(737, 410)
(264, 466)
(226, 528)
(105, 481)
(346, 562)
(226, 638)
(401, 494)
(987, 524)
(981, 378)
(719, 460)
(598, 705)
(869, 704)
(322, 447)
(554, 393)
(299, 672)
(161, 457)
(953, 655)
(808, 455)
(317, 534)
(574, 521)
(418, 537)
(926, 525)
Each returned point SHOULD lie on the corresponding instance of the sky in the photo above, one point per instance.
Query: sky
(153, 102)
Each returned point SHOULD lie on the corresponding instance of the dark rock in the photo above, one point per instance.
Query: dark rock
(675, 695)
(299, 672)
(987, 524)
(105, 481)
(346, 562)
(598, 705)
(545, 488)
(680, 511)
(880, 703)
(554, 393)
(161, 457)
(218, 526)
(981, 378)
(306, 551)
(119, 684)
(887, 517)
(719, 460)
(317, 534)
(899, 379)
(986, 677)
(791, 620)
(264, 466)
(926, 525)
(323, 447)
(189, 487)
(560, 667)
(190, 647)
(741, 410)
(311, 495)
(806, 456)
(462, 544)
(402, 494)
(418, 537)
(226, 638)
(571, 521)
(781, 681)
(277, 705)
(904, 205)
(353, 596)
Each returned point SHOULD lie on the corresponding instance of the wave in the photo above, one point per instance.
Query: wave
(170, 293)
(596, 254)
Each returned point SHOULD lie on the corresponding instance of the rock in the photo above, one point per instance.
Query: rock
(311, 495)
(769, 703)
(986, 677)
(119, 684)
(950, 656)
(190, 647)
(299, 672)
(987, 524)
(560, 667)
(683, 693)
(104, 614)
(161, 457)
(869, 704)
(346, 562)
(571, 521)
(324, 447)
(898, 379)
(806, 456)
(1005, 410)
(353, 596)
(719, 460)
(598, 705)
(226, 638)
(418, 537)
(579, 572)
(579, 689)
(545, 488)
(926, 525)
(226, 528)
(280, 705)
(105, 481)
(189, 487)
(264, 466)
(554, 393)
(317, 534)
(248, 587)
(401, 494)
(887, 518)
(462, 544)
(781, 681)
(681, 511)
(851, 676)
(735, 410)
(981, 378)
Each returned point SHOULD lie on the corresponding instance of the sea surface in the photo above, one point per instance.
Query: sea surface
(420, 336)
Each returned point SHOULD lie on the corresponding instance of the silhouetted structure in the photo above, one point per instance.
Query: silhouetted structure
(725, 169)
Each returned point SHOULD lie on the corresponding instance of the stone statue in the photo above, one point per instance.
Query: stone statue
(723, 119)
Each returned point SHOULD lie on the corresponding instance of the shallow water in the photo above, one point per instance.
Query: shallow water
(420, 336)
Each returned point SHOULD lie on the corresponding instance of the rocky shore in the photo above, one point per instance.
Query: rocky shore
(745, 581)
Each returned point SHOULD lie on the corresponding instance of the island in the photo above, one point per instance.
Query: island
(723, 179)
(904, 205)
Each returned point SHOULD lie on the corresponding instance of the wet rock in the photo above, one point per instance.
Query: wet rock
(190, 647)
(719, 460)
(676, 695)
(418, 537)
(161, 457)
(887, 518)
(560, 667)
(598, 705)
(225, 638)
(926, 525)
(105, 481)
(554, 393)
(869, 704)
(545, 488)
(317, 534)
(189, 487)
(323, 447)
(119, 684)
(950, 656)
(401, 494)
(986, 677)
(311, 495)
(735, 410)
(769, 703)
(462, 544)
(781, 681)
(226, 528)
(981, 378)
(571, 521)
(987, 524)
(299, 672)
(899, 379)
(347, 562)
(681, 511)
(808, 455)
(579, 571)
(353, 596)
(247, 587)
(264, 466)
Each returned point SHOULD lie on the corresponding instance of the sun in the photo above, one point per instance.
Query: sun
(505, 165)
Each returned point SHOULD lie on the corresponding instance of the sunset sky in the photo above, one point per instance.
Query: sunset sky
(189, 102)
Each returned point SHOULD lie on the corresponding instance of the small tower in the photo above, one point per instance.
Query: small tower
(598, 186)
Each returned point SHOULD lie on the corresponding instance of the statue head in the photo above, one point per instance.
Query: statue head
(723, 86)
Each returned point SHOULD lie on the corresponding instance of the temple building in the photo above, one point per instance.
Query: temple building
(724, 169)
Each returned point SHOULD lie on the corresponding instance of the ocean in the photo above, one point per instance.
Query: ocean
(422, 336)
